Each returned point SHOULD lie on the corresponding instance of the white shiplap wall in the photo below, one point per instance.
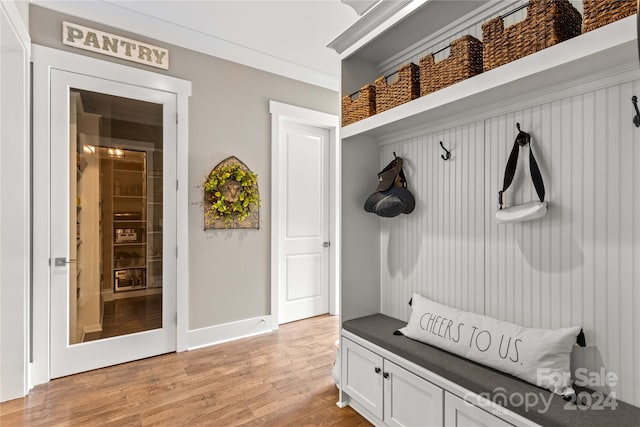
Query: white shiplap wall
(579, 265)
(437, 250)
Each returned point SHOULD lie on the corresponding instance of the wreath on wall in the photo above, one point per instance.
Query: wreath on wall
(232, 198)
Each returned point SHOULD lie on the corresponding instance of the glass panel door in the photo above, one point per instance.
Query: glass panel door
(117, 276)
(113, 295)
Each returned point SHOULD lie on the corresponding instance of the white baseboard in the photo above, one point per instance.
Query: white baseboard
(218, 334)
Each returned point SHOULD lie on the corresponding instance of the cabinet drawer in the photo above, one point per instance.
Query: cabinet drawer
(362, 376)
(458, 413)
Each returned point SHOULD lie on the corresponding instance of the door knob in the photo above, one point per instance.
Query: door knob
(385, 375)
(377, 370)
(62, 261)
(326, 244)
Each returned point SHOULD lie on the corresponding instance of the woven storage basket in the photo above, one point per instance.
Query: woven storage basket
(405, 89)
(548, 22)
(360, 107)
(464, 61)
(602, 12)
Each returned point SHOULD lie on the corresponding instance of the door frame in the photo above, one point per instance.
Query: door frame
(44, 60)
(15, 222)
(282, 113)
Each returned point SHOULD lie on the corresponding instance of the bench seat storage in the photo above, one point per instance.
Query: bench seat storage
(390, 378)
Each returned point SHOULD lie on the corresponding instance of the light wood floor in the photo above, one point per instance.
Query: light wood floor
(279, 379)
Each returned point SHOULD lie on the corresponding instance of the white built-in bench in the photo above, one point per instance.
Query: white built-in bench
(393, 380)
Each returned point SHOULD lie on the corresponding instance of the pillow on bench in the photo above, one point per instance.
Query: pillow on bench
(538, 356)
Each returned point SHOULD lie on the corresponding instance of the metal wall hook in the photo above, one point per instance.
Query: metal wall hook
(446, 156)
(523, 138)
(636, 119)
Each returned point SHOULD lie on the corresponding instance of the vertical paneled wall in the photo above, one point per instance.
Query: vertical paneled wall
(437, 250)
(579, 265)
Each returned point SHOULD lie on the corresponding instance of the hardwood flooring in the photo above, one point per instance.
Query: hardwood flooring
(128, 316)
(277, 379)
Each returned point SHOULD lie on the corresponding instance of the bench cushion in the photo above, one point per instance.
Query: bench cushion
(378, 329)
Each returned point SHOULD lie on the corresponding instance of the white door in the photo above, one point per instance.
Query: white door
(113, 222)
(304, 224)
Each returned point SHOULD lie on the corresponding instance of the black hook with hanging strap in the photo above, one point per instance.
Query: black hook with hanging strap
(522, 139)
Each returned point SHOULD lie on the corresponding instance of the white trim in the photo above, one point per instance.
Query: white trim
(167, 32)
(16, 216)
(182, 218)
(284, 112)
(18, 25)
(46, 59)
(373, 18)
(231, 331)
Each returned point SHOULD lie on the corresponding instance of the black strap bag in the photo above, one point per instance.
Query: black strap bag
(526, 211)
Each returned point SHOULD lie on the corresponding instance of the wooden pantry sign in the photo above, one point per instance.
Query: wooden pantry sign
(113, 45)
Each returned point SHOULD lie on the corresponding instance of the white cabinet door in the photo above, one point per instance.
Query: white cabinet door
(458, 413)
(362, 376)
(410, 401)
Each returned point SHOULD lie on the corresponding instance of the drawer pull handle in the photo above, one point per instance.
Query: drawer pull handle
(377, 370)
(385, 375)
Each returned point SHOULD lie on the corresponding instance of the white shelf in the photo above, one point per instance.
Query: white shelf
(590, 54)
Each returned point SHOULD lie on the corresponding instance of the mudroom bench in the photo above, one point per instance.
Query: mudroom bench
(395, 381)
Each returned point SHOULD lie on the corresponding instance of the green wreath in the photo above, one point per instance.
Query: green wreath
(232, 192)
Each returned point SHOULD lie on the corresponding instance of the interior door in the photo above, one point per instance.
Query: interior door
(304, 196)
(113, 222)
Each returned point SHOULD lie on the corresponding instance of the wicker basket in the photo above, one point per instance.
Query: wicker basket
(359, 107)
(602, 12)
(548, 22)
(464, 61)
(404, 89)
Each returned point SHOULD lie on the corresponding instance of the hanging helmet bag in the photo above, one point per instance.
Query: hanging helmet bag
(391, 197)
(526, 211)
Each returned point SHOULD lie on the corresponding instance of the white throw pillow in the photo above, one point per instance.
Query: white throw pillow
(538, 356)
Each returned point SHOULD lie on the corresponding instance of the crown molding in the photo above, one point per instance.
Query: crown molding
(370, 20)
(167, 32)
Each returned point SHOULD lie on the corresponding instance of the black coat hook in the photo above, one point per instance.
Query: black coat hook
(523, 138)
(636, 119)
(446, 156)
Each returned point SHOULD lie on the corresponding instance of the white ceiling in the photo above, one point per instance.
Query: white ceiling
(289, 34)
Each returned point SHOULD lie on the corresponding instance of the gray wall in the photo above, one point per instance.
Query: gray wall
(228, 115)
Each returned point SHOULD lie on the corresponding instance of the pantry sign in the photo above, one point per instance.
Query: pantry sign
(113, 45)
